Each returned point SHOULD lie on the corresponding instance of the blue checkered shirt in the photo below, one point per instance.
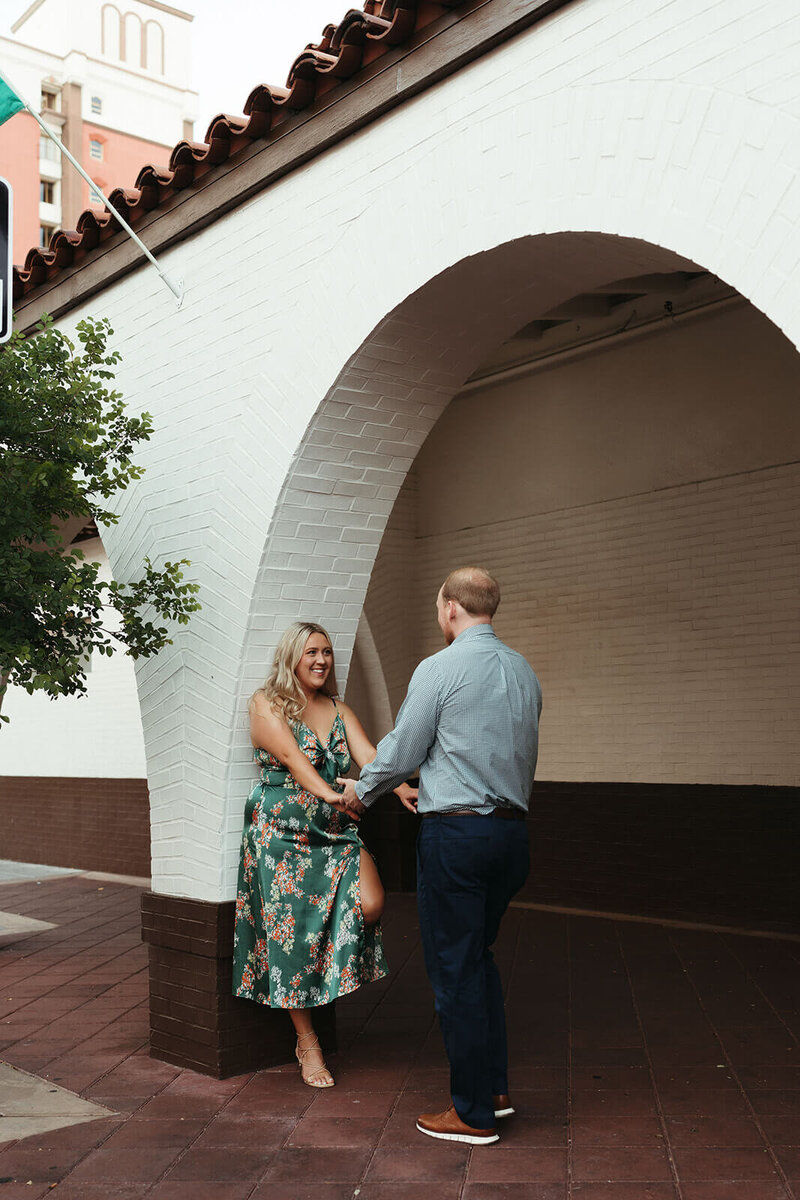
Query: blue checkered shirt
(469, 723)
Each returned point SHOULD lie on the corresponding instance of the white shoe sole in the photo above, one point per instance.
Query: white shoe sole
(460, 1137)
(504, 1112)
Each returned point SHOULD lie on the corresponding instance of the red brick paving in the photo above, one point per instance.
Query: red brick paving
(648, 1064)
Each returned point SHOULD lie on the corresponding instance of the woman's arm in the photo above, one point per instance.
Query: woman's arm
(362, 752)
(269, 731)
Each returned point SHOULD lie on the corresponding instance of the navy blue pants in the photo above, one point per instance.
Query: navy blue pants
(468, 869)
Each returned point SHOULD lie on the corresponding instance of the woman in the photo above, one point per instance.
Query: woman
(309, 897)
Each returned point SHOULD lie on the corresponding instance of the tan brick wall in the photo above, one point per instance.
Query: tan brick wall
(663, 628)
(662, 622)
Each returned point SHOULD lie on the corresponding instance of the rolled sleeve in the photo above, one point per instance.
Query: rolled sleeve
(404, 750)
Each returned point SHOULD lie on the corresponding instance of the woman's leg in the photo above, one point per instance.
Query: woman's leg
(372, 893)
(313, 1064)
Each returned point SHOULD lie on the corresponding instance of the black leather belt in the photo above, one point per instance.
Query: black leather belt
(503, 814)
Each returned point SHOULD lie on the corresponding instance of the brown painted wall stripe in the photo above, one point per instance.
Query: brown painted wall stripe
(91, 824)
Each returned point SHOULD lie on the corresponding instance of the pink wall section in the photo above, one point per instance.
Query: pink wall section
(123, 158)
(19, 164)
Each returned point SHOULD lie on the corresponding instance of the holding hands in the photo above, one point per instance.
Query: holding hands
(349, 803)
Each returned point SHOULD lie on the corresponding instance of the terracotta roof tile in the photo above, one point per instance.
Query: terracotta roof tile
(362, 36)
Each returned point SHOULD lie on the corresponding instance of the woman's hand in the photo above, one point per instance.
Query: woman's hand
(408, 797)
(350, 802)
(334, 798)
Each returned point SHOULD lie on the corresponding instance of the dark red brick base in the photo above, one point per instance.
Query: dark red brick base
(195, 1020)
(93, 824)
(721, 854)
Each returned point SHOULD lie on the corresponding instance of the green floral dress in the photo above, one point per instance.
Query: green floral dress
(300, 938)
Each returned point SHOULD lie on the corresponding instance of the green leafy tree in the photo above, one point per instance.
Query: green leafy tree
(65, 449)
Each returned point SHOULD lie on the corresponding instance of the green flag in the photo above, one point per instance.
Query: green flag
(10, 102)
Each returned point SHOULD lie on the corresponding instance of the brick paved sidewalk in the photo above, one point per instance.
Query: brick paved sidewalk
(649, 1064)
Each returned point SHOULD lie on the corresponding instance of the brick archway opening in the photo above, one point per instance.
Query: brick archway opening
(625, 461)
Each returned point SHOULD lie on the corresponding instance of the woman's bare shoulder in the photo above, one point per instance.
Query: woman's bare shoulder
(346, 711)
(260, 706)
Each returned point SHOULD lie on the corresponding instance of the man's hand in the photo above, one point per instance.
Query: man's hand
(408, 797)
(340, 806)
(349, 800)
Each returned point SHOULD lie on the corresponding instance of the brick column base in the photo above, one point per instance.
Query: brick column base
(195, 1021)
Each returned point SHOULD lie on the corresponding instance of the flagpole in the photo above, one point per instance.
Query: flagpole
(175, 287)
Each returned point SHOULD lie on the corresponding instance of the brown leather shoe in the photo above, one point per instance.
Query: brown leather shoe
(450, 1128)
(502, 1106)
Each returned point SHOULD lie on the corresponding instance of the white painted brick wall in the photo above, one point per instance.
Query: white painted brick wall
(96, 736)
(610, 117)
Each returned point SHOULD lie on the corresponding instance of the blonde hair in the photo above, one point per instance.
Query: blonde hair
(281, 688)
(474, 589)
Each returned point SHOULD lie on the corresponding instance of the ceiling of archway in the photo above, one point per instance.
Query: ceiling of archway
(618, 307)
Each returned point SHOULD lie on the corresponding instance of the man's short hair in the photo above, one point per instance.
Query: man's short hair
(474, 589)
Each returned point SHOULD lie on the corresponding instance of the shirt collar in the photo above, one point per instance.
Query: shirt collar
(473, 631)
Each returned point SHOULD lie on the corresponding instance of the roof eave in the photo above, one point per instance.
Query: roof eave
(438, 50)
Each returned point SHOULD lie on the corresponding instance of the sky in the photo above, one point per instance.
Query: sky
(245, 42)
(237, 44)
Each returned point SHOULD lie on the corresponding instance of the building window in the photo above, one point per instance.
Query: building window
(47, 191)
(49, 98)
(47, 149)
(97, 105)
(45, 233)
(95, 197)
(95, 149)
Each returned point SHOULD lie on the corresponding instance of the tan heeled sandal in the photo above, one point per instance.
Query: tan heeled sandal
(310, 1077)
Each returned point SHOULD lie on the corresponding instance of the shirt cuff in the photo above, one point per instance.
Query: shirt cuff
(361, 790)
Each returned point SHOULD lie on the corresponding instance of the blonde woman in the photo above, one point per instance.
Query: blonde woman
(309, 897)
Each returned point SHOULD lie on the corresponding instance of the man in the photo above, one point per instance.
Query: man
(470, 724)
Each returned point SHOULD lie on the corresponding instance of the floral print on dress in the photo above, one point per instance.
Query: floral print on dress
(299, 937)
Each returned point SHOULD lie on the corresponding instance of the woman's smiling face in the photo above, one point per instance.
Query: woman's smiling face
(315, 663)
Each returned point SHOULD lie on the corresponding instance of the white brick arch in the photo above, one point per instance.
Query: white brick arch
(395, 262)
(362, 439)
(356, 451)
